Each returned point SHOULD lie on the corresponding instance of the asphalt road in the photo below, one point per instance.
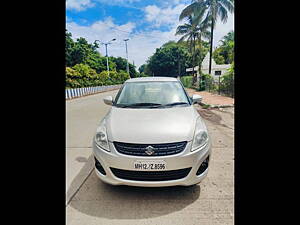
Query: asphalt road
(91, 201)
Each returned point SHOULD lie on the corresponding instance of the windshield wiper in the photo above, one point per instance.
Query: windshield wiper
(147, 104)
(176, 103)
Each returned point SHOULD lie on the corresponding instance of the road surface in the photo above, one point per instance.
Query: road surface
(90, 201)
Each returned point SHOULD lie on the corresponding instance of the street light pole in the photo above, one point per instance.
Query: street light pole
(127, 66)
(106, 58)
(107, 43)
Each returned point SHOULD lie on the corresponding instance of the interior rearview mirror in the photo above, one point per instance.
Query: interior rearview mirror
(108, 100)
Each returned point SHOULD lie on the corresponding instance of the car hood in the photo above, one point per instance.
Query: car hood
(161, 125)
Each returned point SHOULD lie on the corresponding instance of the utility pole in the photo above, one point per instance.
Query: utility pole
(179, 69)
(127, 66)
(107, 43)
(211, 45)
(219, 85)
(106, 55)
(178, 58)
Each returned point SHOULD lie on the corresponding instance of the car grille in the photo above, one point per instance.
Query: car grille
(151, 175)
(159, 149)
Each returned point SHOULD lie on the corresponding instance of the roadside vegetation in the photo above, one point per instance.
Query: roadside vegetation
(86, 67)
(172, 59)
(187, 81)
(201, 17)
(227, 82)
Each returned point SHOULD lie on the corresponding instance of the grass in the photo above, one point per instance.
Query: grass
(205, 106)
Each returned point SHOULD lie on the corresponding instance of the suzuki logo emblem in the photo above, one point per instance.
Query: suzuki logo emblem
(149, 150)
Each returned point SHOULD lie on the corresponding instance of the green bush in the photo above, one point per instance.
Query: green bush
(104, 78)
(72, 83)
(123, 76)
(81, 75)
(202, 84)
(71, 73)
(83, 70)
(113, 75)
(227, 82)
(209, 82)
(142, 74)
(187, 81)
(118, 77)
(71, 78)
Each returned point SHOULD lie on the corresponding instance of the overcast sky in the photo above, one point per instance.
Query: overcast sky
(147, 23)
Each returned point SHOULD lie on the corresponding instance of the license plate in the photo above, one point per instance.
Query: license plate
(150, 165)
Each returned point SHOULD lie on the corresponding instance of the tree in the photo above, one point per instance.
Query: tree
(228, 37)
(201, 51)
(193, 31)
(68, 48)
(79, 51)
(132, 71)
(82, 52)
(218, 57)
(224, 54)
(228, 47)
(190, 32)
(213, 10)
(86, 67)
(120, 63)
(147, 72)
(98, 62)
(167, 61)
(142, 68)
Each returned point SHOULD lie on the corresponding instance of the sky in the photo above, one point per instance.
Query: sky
(147, 23)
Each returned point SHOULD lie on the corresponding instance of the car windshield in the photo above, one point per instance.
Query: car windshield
(152, 95)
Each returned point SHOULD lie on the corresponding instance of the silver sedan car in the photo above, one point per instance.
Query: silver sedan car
(152, 136)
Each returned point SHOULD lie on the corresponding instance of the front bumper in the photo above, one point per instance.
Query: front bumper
(182, 160)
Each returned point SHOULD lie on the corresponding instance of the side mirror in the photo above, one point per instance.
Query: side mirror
(108, 100)
(196, 99)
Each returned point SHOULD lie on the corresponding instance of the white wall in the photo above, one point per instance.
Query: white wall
(223, 71)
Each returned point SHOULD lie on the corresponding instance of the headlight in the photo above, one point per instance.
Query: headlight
(101, 137)
(200, 135)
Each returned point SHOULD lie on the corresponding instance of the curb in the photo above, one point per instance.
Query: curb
(216, 106)
(80, 179)
(82, 92)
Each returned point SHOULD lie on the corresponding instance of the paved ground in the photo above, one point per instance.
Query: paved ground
(83, 116)
(212, 99)
(210, 202)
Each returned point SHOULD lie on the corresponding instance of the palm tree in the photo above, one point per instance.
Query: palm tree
(189, 32)
(228, 46)
(192, 32)
(213, 10)
(203, 28)
(228, 37)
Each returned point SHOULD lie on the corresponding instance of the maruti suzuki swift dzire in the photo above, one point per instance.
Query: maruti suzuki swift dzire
(152, 136)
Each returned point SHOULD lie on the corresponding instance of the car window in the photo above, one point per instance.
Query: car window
(152, 92)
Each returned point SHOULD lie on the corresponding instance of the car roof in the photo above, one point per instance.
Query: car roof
(145, 79)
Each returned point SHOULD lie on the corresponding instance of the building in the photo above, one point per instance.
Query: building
(216, 69)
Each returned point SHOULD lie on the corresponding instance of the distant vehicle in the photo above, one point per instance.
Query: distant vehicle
(152, 136)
